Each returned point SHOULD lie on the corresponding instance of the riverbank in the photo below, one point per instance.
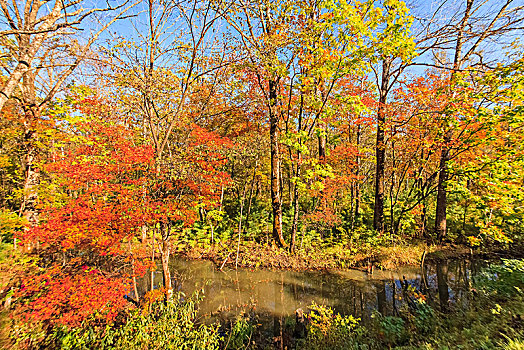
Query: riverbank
(490, 319)
(466, 303)
(254, 255)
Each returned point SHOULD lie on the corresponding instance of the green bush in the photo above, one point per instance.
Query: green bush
(168, 325)
(391, 329)
(505, 280)
(10, 222)
(327, 330)
(240, 334)
(424, 318)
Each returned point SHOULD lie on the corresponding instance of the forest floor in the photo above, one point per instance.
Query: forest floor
(256, 255)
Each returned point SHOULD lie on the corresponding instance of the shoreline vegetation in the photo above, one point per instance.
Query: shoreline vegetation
(253, 255)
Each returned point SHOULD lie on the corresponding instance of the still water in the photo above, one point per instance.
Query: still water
(278, 294)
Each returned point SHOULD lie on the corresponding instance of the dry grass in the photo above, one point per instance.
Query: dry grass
(255, 255)
(391, 257)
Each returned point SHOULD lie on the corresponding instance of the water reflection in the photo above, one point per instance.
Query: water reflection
(275, 295)
(443, 288)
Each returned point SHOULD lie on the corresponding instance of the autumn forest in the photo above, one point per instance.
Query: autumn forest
(286, 135)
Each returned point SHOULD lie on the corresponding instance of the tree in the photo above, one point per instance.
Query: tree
(159, 88)
(393, 51)
(487, 173)
(38, 59)
(262, 37)
(93, 205)
(297, 53)
(466, 37)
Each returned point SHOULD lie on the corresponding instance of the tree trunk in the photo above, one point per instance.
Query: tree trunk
(296, 209)
(32, 178)
(135, 287)
(143, 231)
(423, 220)
(16, 75)
(357, 182)
(275, 165)
(294, 226)
(322, 143)
(380, 151)
(242, 202)
(380, 148)
(250, 200)
(440, 219)
(322, 160)
(165, 253)
(32, 174)
(153, 259)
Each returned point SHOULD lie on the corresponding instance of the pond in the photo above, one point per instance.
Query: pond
(271, 298)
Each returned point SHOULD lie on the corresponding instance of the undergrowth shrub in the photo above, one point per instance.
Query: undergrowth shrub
(170, 325)
(240, 334)
(327, 330)
(504, 280)
(391, 329)
(159, 325)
